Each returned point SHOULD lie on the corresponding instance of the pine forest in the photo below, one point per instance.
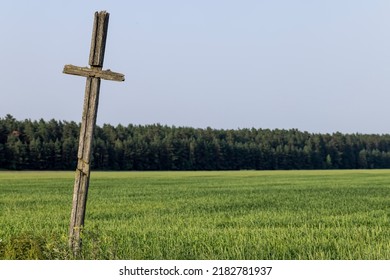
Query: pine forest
(52, 145)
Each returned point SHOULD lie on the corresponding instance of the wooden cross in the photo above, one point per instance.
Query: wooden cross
(94, 74)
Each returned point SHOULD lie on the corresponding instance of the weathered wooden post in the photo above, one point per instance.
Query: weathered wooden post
(94, 74)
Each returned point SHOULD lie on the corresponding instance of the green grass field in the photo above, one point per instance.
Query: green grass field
(200, 215)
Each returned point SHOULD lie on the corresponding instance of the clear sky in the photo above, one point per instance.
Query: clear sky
(319, 66)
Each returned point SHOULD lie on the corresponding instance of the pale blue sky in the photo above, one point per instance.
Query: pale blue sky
(319, 66)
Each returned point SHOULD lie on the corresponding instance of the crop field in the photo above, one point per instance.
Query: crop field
(275, 215)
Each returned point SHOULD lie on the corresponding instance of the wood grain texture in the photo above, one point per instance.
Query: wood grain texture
(93, 72)
(99, 36)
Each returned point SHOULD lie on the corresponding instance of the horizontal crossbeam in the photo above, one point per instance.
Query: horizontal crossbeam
(93, 72)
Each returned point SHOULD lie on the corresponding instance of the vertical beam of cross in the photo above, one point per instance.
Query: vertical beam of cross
(91, 100)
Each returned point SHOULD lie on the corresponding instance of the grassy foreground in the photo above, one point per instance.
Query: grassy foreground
(200, 215)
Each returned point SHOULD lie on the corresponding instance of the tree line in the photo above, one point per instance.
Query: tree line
(52, 145)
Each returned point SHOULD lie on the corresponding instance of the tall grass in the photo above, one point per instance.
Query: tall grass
(200, 215)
